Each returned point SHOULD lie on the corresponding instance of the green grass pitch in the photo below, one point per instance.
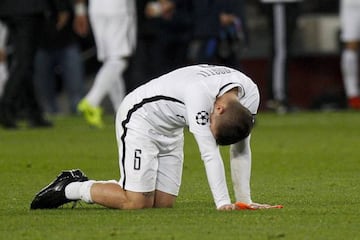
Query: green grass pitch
(309, 162)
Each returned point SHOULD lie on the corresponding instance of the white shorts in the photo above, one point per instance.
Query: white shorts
(350, 21)
(115, 35)
(148, 160)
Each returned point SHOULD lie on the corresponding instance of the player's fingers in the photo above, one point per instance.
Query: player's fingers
(227, 207)
(265, 206)
(276, 206)
(254, 206)
(243, 206)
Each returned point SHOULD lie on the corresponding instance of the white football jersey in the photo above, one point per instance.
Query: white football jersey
(185, 97)
(109, 7)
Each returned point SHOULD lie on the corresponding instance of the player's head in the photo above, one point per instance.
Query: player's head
(232, 123)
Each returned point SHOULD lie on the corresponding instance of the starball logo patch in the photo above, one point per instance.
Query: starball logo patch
(202, 118)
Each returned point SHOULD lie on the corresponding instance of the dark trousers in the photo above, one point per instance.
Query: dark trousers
(143, 65)
(213, 51)
(19, 91)
(282, 19)
(171, 53)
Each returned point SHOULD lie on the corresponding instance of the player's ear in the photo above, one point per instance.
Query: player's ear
(219, 108)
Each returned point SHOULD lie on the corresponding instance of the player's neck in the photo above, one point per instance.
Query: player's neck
(230, 95)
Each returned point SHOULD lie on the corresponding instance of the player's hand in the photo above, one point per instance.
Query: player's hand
(227, 207)
(254, 206)
(81, 25)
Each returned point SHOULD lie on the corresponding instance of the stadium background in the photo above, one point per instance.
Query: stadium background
(314, 68)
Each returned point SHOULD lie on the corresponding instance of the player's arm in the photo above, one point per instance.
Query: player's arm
(240, 162)
(215, 172)
(199, 102)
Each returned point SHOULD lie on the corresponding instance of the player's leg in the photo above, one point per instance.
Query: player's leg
(112, 195)
(100, 86)
(116, 40)
(350, 71)
(90, 107)
(276, 14)
(350, 27)
(169, 171)
(108, 194)
(138, 158)
(164, 200)
(106, 79)
(138, 169)
(280, 54)
(120, 45)
(118, 88)
(3, 63)
(73, 185)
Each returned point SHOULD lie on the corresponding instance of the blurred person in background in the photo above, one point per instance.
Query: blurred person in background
(141, 66)
(59, 55)
(233, 39)
(174, 21)
(114, 27)
(3, 63)
(23, 19)
(219, 32)
(350, 36)
(282, 18)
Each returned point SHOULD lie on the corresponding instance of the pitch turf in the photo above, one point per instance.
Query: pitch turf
(309, 162)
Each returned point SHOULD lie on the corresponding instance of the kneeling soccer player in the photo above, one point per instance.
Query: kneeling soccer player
(217, 103)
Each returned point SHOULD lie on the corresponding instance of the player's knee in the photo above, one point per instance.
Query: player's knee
(163, 204)
(137, 200)
(164, 200)
(133, 205)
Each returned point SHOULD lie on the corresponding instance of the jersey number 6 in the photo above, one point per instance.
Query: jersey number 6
(137, 159)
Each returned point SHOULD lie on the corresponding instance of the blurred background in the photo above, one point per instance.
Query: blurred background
(314, 74)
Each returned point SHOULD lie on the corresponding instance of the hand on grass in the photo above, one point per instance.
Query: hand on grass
(254, 206)
(227, 207)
